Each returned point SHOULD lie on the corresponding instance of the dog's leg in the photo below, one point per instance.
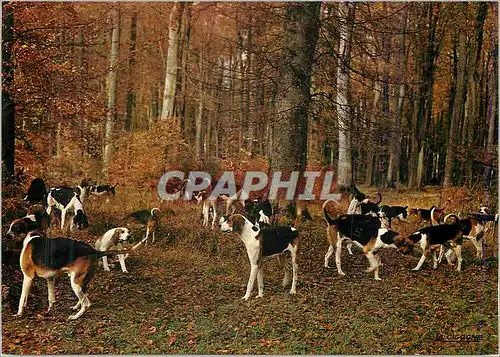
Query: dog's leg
(450, 256)
(52, 295)
(23, 301)
(147, 235)
(422, 259)
(349, 247)
(63, 218)
(286, 268)
(435, 258)
(458, 253)
(214, 216)
(328, 254)
(251, 280)
(477, 245)
(82, 298)
(121, 258)
(77, 306)
(373, 260)
(205, 212)
(260, 280)
(379, 264)
(295, 268)
(105, 263)
(441, 253)
(338, 255)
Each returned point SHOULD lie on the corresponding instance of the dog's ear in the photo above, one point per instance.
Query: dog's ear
(237, 223)
(116, 236)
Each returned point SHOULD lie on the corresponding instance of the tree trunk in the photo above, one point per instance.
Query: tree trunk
(199, 114)
(185, 41)
(492, 113)
(344, 175)
(457, 107)
(399, 95)
(474, 88)
(111, 107)
(130, 98)
(153, 106)
(8, 112)
(423, 101)
(250, 92)
(171, 66)
(289, 151)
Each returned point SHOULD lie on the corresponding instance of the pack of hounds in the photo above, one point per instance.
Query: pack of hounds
(256, 221)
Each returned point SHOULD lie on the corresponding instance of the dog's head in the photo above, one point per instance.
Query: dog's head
(405, 244)
(234, 223)
(199, 196)
(121, 235)
(404, 212)
(413, 211)
(81, 221)
(484, 210)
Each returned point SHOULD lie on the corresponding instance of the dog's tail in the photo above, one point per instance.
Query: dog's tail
(328, 219)
(153, 211)
(434, 222)
(324, 208)
(451, 215)
(106, 253)
(116, 184)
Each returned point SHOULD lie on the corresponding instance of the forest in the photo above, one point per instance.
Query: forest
(395, 99)
(394, 93)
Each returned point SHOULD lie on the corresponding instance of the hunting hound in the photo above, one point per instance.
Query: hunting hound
(261, 244)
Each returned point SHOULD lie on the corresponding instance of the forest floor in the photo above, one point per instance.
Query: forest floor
(183, 296)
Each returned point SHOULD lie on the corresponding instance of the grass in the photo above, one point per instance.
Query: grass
(183, 296)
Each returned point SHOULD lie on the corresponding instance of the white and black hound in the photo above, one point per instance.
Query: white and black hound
(488, 219)
(38, 221)
(263, 243)
(48, 257)
(398, 212)
(473, 229)
(485, 216)
(103, 190)
(425, 214)
(113, 237)
(145, 218)
(259, 211)
(80, 190)
(365, 231)
(360, 204)
(66, 200)
(433, 237)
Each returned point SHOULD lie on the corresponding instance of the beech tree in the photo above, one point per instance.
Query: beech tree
(113, 73)
(344, 110)
(301, 27)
